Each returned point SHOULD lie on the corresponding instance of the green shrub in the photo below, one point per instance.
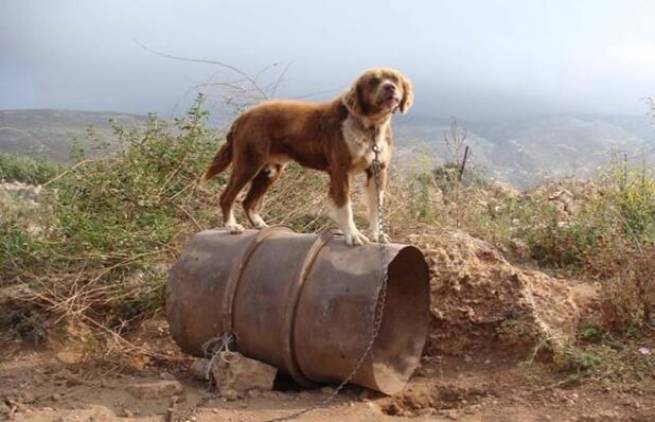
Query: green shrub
(18, 168)
(107, 220)
(610, 224)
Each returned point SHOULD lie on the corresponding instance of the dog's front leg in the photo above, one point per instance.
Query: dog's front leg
(340, 195)
(375, 199)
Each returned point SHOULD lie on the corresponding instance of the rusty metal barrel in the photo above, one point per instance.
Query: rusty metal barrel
(303, 303)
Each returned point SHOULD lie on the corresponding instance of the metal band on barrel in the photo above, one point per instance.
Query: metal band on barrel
(236, 273)
(292, 304)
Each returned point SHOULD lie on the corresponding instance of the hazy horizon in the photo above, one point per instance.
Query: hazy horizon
(475, 60)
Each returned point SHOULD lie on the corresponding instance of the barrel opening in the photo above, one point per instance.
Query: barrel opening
(397, 349)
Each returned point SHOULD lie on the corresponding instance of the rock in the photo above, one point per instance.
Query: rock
(480, 300)
(199, 368)
(233, 371)
(156, 389)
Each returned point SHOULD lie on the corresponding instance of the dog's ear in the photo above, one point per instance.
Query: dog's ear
(408, 95)
(353, 100)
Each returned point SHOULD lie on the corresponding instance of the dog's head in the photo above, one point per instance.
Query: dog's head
(378, 92)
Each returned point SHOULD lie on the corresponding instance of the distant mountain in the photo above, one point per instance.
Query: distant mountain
(521, 151)
(49, 133)
(528, 150)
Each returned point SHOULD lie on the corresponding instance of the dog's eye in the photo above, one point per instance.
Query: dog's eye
(374, 81)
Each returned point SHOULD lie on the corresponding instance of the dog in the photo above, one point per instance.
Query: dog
(336, 137)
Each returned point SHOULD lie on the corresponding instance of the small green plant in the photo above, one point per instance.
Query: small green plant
(592, 334)
(577, 360)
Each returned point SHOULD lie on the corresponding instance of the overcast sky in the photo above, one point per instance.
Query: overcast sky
(471, 59)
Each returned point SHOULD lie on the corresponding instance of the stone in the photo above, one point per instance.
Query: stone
(234, 372)
(156, 389)
(199, 368)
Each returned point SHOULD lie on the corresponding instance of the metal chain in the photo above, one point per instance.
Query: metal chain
(377, 310)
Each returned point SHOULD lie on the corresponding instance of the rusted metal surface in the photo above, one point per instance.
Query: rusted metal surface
(301, 302)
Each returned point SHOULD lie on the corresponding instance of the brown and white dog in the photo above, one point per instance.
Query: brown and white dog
(335, 137)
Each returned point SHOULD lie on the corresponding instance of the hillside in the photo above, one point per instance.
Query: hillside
(49, 133)
(526, 151)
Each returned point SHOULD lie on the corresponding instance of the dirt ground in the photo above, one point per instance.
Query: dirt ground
(487, 319)
(51, 385)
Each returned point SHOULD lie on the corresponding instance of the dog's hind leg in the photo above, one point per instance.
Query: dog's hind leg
(239, 178)
(260, 184)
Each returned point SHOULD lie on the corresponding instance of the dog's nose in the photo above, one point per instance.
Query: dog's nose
(389, 87)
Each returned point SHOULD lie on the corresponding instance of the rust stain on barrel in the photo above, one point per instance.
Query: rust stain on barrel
(302, 302)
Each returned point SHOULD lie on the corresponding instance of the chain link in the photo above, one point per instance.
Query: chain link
(377, 310)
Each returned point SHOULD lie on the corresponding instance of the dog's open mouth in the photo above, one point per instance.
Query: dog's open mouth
(390, 103)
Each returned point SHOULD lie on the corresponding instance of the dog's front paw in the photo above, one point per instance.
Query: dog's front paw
(235, 228)
(357, 239)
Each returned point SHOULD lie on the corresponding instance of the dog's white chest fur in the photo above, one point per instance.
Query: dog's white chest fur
(359, 145)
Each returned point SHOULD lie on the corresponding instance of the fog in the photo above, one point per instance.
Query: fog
(471, 59)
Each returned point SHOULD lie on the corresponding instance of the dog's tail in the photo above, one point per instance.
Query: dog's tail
(222, 159)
